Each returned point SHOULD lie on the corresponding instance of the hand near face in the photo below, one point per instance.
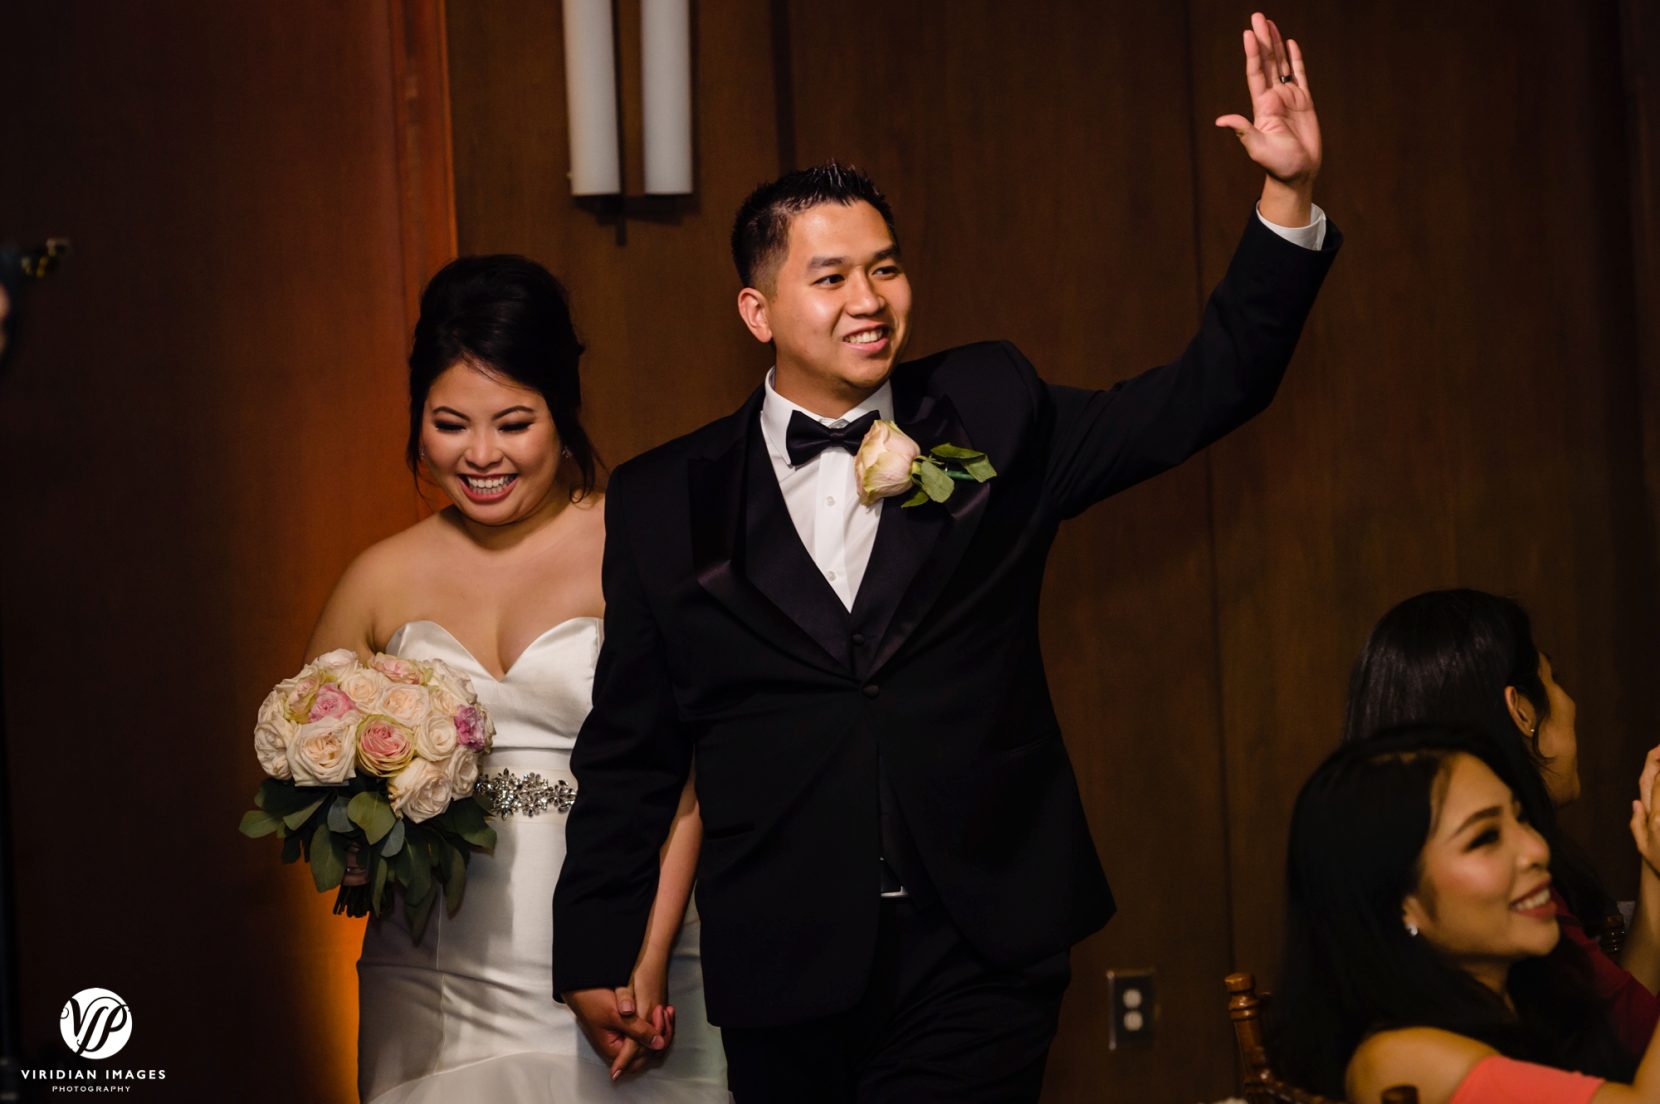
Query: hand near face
(1283, 136)
(1645, 811)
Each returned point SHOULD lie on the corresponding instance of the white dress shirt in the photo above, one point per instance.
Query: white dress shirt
(838, 530)
(823, 499)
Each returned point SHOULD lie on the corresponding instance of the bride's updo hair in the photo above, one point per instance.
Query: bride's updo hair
(505, 315)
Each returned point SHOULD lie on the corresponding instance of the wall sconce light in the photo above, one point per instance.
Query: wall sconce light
(591, 98)
(665, 93)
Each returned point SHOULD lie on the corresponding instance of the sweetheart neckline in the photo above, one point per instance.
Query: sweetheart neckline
(468, 652)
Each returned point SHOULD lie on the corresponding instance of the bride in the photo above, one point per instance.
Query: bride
(504, 585)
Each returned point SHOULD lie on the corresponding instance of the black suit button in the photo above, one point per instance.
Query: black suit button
(872, 690)
(858, 640)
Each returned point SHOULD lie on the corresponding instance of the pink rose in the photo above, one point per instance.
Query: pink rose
(882, 466)
(398, 670)
(330, 701)
(383, 746)
(472, 728)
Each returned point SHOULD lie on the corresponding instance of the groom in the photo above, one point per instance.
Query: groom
(895, 858)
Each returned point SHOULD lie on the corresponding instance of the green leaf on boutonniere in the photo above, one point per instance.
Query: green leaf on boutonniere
(393, 842)
(257, 823)
(338, 820)
(328, 859)
(933, 482)
(915, 500)
(467, 821)
(299, 816)
(955, 452)
(371, 812)
(980, 468)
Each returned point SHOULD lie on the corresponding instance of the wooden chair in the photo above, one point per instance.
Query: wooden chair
(1259, 1085)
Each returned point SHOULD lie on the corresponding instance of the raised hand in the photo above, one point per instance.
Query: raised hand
(1283, 137)
(1645, 812)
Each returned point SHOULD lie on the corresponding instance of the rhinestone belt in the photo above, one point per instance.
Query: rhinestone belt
(508, 793)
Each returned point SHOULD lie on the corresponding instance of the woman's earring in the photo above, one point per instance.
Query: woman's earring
(1411, 929)
(565, 452)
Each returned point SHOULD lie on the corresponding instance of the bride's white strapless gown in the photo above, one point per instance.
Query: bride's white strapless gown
(468, 1013)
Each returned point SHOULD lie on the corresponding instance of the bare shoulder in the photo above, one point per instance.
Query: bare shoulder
(384, 566)
(1432, 1061)
(354, 614)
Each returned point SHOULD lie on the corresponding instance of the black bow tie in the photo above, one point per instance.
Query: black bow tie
(807, 437)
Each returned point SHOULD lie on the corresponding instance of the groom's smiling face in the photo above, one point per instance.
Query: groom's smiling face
(837, 310)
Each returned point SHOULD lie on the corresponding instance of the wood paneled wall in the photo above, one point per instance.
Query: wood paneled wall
(1464, 408)
(203, 421)
(205, 417)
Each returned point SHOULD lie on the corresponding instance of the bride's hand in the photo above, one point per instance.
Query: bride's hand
(356, 873)
(645, 996)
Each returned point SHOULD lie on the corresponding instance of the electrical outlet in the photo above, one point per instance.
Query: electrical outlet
(1133, 999)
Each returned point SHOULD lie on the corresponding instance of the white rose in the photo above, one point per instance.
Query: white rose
(271, 740)
(405, 704)
(455, 684)
(882, 466)
(296, 694)
(462, 771)
(335, 663)
(363, 686)
(324, 753)
(420, 791)
(436, 739)
(446, 700)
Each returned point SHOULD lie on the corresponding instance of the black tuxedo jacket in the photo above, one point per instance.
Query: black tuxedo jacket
(724, 644)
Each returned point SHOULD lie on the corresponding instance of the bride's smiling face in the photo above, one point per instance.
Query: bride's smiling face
(490, 444)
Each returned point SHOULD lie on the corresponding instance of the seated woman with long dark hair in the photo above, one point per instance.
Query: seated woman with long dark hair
(1422, 947)
(1467, 658)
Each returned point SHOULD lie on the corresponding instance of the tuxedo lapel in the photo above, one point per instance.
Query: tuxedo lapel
(748, 557)
(918, 548)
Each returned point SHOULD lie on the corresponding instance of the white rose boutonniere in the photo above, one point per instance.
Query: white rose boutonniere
(890, 463)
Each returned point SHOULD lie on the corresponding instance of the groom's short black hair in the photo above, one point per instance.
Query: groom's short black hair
(761, 233)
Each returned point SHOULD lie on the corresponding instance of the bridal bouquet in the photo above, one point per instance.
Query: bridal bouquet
(383, 755)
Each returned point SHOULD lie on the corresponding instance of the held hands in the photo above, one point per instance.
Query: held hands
(644, 996)
(617, 1031)
(1283, 137)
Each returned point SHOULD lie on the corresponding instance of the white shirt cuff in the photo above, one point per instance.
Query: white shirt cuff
(1312, 236)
